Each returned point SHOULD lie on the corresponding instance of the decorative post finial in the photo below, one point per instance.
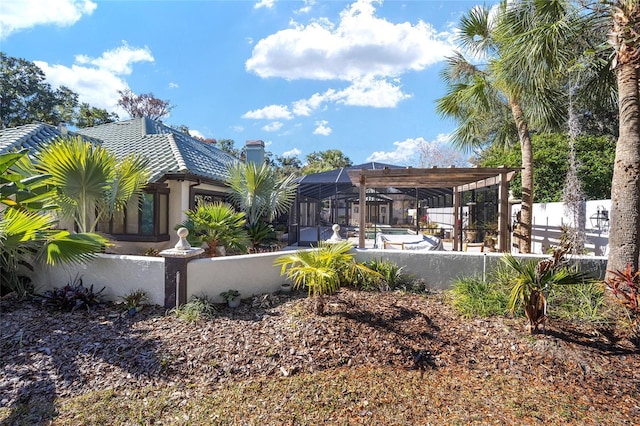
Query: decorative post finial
(183, 244)
(336, 236)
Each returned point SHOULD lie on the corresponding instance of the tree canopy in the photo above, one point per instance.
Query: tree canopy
(144, 105)
(25, 97)
(595, 155)
(322, 161)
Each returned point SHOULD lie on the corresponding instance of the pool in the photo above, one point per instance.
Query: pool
(370, 233)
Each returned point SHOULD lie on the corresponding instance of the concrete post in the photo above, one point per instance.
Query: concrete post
(175, 270)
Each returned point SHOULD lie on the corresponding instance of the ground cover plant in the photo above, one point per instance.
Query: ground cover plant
(372, 358)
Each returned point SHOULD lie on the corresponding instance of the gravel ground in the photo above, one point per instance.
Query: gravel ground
(47, 354)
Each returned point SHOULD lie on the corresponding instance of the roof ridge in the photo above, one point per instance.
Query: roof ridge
(143, 126)
(182, 164)
(37, 128)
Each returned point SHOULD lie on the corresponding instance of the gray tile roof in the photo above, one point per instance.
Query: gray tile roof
(32, 136)
(168, 150)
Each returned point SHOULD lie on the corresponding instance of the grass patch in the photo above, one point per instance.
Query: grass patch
(471, 296)
(578, 301)
(195, 309)
(344, 396)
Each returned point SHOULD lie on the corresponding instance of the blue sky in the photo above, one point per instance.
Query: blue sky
(303, 76)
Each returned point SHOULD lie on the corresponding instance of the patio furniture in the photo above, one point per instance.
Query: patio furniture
(408, 242)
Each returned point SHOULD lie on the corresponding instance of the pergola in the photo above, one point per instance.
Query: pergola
(457, 179)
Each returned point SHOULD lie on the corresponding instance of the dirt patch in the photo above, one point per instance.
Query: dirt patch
(46, 354)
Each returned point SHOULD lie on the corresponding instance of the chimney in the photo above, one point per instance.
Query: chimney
(255, 152)
(62, 128)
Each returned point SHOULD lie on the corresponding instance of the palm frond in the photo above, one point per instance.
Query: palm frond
(65, 247)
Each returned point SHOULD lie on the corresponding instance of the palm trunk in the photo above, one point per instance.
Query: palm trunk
(624, 231)
(526, 216)
(534, 309)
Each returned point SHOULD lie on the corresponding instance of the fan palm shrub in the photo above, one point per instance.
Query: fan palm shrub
(28, 231)
(322, 270)
(259, 191)
(261, 233)
(91, 183)
(533, 280)
(219, 225)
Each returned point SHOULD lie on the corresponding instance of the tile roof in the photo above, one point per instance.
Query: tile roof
(168, 150)
(31, 136)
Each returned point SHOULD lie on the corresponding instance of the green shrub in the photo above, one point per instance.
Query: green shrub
(71, 297)
(471, 296)
(578, 301)
(323, 269)
(193, 310)
(391, 276)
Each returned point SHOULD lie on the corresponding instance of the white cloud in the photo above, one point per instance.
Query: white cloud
(292, 153)
(322, 128)
(173, 85)
(237, 128)
(404, 153)
(118, 60)
(308, 4)
(267, 4)
(367, 91)
(272, 127)
(17, 15)
(422, 153)
(196, 133)
(361, 44)
(372, 92)
(99, 82)
(271, 112)
(307, 106)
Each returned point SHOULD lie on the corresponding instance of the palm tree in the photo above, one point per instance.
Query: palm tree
(587, 64)
(91, 183)
(259, 191)
(533, 281)
(480, 96)
(624, 234)
(27, 226)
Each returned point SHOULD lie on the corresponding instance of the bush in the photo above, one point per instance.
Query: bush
(193, 310)
(71, 297)
(391, 276)
(324, 269)
(578, 301)
(471, 296)
(625, 286)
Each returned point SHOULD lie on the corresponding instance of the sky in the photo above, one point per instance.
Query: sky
(303, 76)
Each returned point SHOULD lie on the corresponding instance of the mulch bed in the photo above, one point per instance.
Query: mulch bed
(48, 354)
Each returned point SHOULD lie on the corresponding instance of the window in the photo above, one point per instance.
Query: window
(356, 209)
(383, 210)
(206, 197)
(145, 219)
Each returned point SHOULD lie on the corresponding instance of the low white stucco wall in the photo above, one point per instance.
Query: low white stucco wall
(440, 268)
(256, 274)
(119, 274)
(250, 274)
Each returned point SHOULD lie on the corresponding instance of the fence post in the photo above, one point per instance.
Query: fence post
(175, 270)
